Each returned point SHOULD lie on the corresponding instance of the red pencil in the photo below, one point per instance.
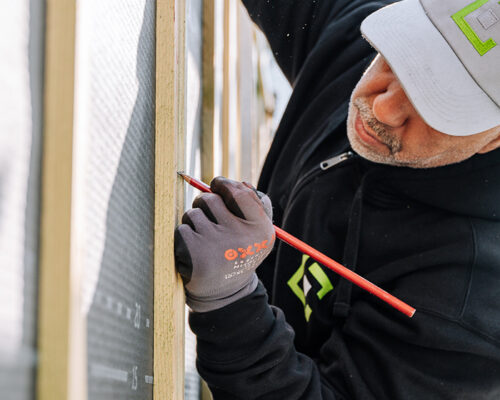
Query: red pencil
(325, 260)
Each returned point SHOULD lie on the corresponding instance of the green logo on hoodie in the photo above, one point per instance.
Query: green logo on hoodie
(299, 276)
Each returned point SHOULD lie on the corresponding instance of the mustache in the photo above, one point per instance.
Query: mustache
(381, 130)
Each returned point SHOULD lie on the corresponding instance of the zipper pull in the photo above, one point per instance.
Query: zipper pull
(335, 160)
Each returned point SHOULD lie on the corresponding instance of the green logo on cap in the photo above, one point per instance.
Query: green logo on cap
(459, 17)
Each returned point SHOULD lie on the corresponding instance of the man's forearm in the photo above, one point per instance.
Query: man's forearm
(246, 350)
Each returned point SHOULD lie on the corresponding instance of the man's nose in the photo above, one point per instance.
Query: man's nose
(392, 107)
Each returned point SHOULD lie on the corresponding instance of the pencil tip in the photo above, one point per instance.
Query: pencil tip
(184, 176)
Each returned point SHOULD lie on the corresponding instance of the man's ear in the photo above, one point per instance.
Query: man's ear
(492, 145)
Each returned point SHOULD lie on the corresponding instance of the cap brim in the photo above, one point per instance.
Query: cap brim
(433, 77)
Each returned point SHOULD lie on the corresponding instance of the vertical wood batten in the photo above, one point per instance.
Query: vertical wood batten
(208, 91)
(57, 300)
(169, 154)
(226, 88)
(208, 109)
(236, 100)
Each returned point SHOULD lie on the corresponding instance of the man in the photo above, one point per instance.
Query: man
(397, 177)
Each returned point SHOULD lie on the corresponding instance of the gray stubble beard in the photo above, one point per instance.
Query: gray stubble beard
(381, 130)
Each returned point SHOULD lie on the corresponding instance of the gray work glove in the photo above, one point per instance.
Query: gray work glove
(221, 241)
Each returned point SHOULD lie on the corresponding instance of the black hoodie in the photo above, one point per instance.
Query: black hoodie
(431, 237)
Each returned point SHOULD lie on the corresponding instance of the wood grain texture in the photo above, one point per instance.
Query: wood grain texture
(169, 151)
(226, 88)
(236, 99)
(55, 292)
(208, 91)
(205, 392)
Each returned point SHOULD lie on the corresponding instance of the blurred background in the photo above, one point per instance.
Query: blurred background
(79, 90)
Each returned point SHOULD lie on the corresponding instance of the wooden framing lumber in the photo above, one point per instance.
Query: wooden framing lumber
(226, 88)
(58, 302)
(208, 91)
(169, 154)
(236, 100)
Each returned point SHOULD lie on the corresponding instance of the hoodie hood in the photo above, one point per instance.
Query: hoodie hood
(470, 188)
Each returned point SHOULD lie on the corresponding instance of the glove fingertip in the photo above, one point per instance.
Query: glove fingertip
(266, 203)
(183, 261)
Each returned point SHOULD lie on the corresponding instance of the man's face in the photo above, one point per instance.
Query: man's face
(384, 127)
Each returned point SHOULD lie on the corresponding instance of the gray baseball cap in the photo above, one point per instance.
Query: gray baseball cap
(446, 54)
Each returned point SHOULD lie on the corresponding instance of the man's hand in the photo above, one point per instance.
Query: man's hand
(222, 240)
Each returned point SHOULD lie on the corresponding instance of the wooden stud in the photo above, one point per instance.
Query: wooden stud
(169, 154)
(208, 91)
(205, 392)
(58, 307)
(226, 88)
(236, 100)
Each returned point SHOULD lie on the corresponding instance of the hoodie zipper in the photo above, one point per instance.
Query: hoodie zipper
(321, 167)
(331, 162)
(317, 169)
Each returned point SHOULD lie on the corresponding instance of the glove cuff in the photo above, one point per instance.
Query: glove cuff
(199, 305)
